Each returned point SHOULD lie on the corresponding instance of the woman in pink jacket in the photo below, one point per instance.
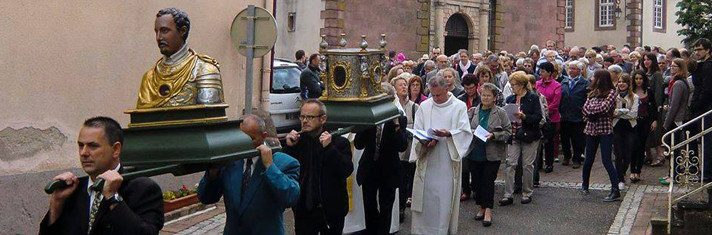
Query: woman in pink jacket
(551, 89)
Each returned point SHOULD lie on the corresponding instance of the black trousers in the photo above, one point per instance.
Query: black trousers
(406, 188)
(572, 138)
(624, 138)
(378, 222)
(485, 173)
(468, 177)
(314, 222)
(642, 130)
(539, 162)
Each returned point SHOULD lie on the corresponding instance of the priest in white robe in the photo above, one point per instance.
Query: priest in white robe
(436, 184)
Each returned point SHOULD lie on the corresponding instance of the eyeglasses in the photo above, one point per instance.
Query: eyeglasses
(309, 117)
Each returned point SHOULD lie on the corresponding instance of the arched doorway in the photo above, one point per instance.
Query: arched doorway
(457, 34)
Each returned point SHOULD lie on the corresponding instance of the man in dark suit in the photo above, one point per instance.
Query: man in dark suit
(325, 164)
(257, 190)
(380, 171)
(122, 207)
(309, 81)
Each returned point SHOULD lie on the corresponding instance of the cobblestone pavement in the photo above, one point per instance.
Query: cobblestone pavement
(557, 208)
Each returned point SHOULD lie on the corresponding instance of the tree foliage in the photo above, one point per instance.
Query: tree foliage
(695, 17)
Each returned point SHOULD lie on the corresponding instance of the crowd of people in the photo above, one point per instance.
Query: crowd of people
(480, 113)
(574, 100)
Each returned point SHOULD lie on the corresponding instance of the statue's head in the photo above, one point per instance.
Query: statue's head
(172, 28)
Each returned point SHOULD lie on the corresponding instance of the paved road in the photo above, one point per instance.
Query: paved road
(557, 208)
(553, 211)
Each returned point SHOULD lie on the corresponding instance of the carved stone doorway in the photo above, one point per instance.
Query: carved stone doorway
(456, 34)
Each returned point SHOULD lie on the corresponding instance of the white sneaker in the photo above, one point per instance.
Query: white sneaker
(621, 186)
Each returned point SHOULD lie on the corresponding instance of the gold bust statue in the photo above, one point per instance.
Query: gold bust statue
(181, 77)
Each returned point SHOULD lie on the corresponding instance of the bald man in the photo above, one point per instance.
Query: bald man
(257, 190)
(442, 63)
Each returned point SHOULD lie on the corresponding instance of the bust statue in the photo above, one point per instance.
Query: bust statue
(181, 77)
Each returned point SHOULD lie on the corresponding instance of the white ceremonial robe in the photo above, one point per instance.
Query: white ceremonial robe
(436, 184)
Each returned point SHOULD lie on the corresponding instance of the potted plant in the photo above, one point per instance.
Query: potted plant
(173, 200)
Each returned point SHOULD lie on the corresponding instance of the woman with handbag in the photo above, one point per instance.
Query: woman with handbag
(526, 138)
(598, 114)
(485, 157)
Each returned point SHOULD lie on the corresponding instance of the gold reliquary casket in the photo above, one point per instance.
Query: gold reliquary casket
(352, 85)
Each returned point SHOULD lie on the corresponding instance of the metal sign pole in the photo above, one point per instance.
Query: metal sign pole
(249, 56)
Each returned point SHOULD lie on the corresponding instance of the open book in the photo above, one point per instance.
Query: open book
(422, 135)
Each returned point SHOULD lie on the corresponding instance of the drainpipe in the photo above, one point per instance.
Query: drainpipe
(266, 64)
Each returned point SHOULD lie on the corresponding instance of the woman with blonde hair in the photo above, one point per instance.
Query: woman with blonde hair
(394, 72)
(625, 118)
(526, 138)
(677, 111)
(400, 83)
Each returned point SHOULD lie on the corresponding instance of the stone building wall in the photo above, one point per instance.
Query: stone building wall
(404, 22)
(473, 11)
(67, 60)
(521, 23)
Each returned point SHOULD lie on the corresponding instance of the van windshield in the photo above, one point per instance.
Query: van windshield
(285, 80)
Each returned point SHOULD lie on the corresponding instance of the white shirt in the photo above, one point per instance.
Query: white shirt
(91, 193)
(254, 160)
(178, 56)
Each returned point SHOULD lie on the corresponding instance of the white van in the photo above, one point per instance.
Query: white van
(284, 96)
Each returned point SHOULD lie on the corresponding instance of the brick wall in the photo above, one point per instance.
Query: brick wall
(405, 23)
(635, 17)
(520, 24)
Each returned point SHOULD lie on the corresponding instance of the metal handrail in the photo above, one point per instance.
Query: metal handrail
(672, 146)
(683, 126)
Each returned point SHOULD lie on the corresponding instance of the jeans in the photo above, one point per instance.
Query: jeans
(624, 138)
(572, 138)
(592, 143)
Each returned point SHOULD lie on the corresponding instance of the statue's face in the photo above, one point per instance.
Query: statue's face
(168, 37)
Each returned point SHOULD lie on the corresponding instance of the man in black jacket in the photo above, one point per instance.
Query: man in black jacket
(325, 164)
(702, 94)
(309, 79)
(380, 171)
(122, 207)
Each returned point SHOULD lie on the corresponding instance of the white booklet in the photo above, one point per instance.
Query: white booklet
(481, 133)
(511, 109)
(422, 135)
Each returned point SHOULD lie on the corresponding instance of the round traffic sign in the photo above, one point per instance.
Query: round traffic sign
(265, 31)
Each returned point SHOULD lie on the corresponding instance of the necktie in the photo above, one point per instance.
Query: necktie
(379, 133)
(572, 84)
(246, 174)
(94, 208)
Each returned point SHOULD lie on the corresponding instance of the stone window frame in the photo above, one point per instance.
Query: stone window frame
(569, 15)
(663, 16)
(612, 12)
(291, 21)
